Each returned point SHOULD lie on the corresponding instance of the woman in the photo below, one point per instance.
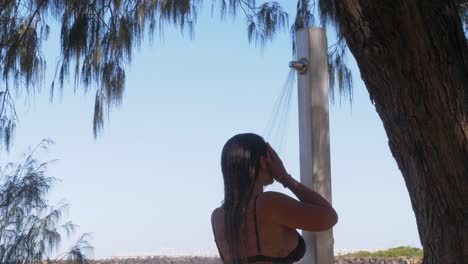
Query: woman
(259, 227)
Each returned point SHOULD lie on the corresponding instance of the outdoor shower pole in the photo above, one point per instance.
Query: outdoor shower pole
(314, 131)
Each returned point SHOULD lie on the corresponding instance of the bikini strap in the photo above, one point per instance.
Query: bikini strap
(256, 228)
(214, 234)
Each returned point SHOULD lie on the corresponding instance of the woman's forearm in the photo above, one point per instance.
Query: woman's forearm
(305, 194)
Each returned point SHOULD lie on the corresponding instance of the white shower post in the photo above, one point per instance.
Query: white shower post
(314, 131)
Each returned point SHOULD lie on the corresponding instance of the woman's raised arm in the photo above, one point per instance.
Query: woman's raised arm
(312, 212)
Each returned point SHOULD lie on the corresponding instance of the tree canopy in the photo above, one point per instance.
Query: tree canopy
(98, 39)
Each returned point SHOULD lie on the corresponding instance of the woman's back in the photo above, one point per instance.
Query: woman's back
(266, 241)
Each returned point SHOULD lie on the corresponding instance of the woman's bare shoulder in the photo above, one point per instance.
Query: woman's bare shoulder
(270, 200)
(270, 197)
(217, 212)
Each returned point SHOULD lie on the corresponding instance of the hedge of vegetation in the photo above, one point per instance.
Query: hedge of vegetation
(388, 253)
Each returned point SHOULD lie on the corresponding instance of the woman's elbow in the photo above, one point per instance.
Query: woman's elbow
(334, 218)
(330, 220)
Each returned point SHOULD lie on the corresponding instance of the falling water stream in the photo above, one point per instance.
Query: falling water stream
(278, 122)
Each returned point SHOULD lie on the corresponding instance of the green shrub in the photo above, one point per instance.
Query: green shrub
(388, 253)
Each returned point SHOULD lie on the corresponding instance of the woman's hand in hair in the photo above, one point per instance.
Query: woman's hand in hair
(276, 167)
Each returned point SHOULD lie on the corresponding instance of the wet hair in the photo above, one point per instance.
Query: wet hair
(240, 161)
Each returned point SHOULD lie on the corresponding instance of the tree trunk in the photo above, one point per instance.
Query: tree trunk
(413, 58)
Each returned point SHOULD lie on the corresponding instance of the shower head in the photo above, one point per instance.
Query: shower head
(299, 65)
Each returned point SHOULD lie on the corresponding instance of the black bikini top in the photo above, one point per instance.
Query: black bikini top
(292, 257)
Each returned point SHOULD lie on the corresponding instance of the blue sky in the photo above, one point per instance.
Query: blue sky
(153, 177)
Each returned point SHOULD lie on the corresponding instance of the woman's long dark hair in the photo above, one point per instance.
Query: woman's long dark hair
(239, 163)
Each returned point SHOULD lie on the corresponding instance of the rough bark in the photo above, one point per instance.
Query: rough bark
(413, 58)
